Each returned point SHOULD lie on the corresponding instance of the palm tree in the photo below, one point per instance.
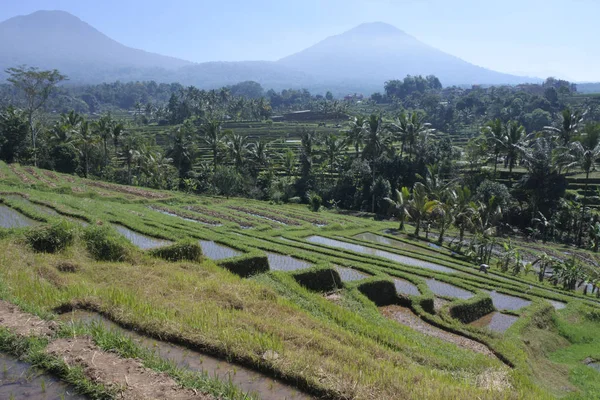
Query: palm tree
(356, 132)
(463, 210)
(513, 139)
(181, 151)
(545, 262)
(104, 128)
(445, 213)
(130, 151)
(408, 127)
(289, 161)
(584, 158)
(400, 204)
(238, 150)
(376, 142)
(333, 150)
(85, 141)
(259, 154)
(419, 207)
(568, 126)
(118, 129)
(211, 130)
(494, 132)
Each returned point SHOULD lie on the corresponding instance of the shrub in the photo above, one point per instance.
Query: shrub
(52, 238)
(319, 279)
(472, 309)
(67, 266)
(426, 303)
(314, 202)
(188, 250)
(247, 265)
(380, 291)
(104, 244)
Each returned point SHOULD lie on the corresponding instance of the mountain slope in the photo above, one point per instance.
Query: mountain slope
(57, 39)
(376, 52)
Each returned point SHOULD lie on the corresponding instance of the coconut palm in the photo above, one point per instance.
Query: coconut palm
(130, 152)
(568, 126)
(376, 141)
(238, 149)
(494, 133)
(181, 150)
(214, 138)
(463, 210)
(585, 158)
(419, 206)
(545, 262)
(289, 162)
(513, 139)
(407, 128)
(400, 204)
(258, 153)
(85, 141)
(356, 133)
(104, 129)
(333, 151)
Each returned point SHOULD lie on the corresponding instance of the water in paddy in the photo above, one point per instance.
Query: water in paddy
(379, 253)
(505, 302)
(19, 381)
(349, 274)
(183, 218)
(246, 379)
(445, 289)
(142, 241)
(279, 262)
(595, 365)
(558, 305)
(406, 287)
(263, 217)
(10, 218)
(78, 221)
(216, 251)
(495, 321)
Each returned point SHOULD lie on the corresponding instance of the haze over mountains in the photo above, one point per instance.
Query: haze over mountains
(360, 60)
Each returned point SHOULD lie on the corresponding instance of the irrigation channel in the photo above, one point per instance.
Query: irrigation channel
(20, 381)
(246, 379)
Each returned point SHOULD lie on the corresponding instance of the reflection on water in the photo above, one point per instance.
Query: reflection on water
(278, 262)
(379, 253)
(406, 287)
(19, 381)
(349, 274)
(142, 241)
(10, 218)
(445, 289)
(505, 302)
(216, 251)
(495, 321)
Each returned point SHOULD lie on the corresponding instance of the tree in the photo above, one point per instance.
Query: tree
(463, 210)
(85, 141)
(513, 139)
(130, 152)
(181, 150)
(400, 204)
(238, 150)
(13, 134)
(568, 126)
(585, 158)
(376, 141)
(356, 132)
(289, 161)
(36, 86)
(419, 206)
(227, 180)
(408, 127)
(494, 132)
(333, 150)
(259, 153)
(104, 127)
(214, 138)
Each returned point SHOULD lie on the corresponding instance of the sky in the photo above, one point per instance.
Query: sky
(537, 38)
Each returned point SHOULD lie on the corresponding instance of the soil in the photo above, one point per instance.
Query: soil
(128, 376)
(406, 317)
(24, 324)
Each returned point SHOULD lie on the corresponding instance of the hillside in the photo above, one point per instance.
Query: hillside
(57, 39)
(376, 52)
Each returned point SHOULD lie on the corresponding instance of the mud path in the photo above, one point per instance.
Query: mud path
(24, 324)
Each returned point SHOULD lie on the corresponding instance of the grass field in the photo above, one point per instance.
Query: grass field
(330, 338)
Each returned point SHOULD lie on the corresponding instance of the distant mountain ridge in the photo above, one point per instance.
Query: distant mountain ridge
(359, 60)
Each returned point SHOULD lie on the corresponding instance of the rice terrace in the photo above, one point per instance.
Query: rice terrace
(368, 218)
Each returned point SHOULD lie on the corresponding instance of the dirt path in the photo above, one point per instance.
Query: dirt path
(406, 317)
(24, 324)
(128, 376)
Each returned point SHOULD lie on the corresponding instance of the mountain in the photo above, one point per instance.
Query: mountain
(57, 39)
(360, 60)
(373, 53)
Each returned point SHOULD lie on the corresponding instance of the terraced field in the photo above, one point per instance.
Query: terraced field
(300, 304)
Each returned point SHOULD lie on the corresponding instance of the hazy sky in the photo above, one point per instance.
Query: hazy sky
(530, 37)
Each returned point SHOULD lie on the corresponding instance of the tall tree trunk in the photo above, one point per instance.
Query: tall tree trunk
(581, 217)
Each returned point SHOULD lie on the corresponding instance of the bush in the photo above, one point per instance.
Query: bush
(314, 202)
(247, 265)
(295, 200)
(380, 291)
(472, 309)
(105, 244)
(52, 238)
(319, 279)
(185, 250)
